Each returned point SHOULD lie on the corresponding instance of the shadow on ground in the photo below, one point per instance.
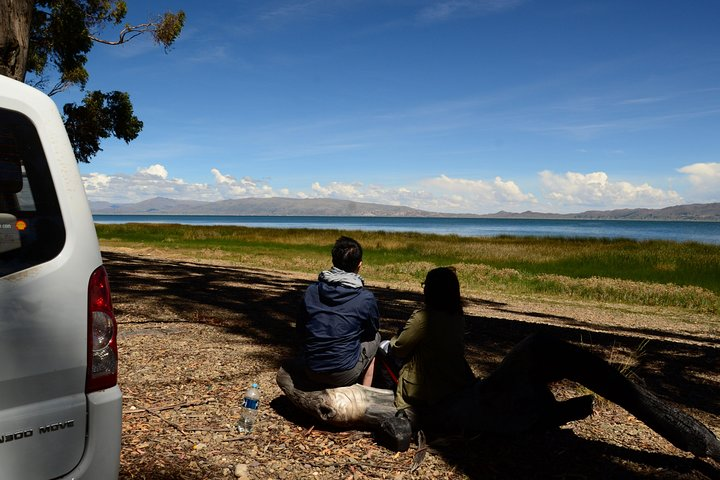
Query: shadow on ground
(261, 305)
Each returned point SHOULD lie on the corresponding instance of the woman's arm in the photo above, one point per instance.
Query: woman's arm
(410, 336)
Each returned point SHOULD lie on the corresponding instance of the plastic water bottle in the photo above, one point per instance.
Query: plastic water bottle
(250, 405)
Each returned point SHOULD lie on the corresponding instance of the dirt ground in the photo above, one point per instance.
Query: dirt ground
(193, 337)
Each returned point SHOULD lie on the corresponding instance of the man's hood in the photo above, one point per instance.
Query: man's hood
(341, 277)
(337, 286)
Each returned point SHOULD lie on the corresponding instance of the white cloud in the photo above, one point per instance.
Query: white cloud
(597, 190)
(96, 182)
(448, 9)
(339, 190)
(220, 178)
(570, 191)
(156, 170)
(123, 188)
(153, 181)
(705, 179)
(230, 187)
(371, 193)
(443, 194)
(463, 195)
(495, 192)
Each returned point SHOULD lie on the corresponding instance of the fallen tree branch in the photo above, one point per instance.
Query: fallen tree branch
(210, 429)
(172, 424)
(238, 439)
(171, 407)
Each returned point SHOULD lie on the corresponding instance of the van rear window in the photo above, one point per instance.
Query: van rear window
(31, 225)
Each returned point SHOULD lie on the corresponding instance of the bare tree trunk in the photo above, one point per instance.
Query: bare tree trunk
(15, 19)
(517, 396)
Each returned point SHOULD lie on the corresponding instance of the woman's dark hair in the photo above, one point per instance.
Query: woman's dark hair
(442, 290)
(347, 254)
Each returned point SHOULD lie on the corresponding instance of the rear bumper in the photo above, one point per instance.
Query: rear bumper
(101, 459)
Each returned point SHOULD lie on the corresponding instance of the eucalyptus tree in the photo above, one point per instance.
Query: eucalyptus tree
(46, 44)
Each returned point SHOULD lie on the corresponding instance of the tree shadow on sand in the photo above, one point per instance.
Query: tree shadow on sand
(262, 306)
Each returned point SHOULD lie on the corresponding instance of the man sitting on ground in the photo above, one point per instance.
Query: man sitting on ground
(339, 322)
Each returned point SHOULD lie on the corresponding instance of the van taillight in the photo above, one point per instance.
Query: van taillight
(102, 335)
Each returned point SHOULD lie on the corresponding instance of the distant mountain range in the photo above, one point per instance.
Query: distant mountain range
(321, 207)
(708, 212)
(324, 207)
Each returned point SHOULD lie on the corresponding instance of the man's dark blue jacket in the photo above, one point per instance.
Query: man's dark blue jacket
(334, 319)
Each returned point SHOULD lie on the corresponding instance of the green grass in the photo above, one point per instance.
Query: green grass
(656, 273)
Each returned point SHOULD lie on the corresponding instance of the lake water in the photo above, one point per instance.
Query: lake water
(703, 232)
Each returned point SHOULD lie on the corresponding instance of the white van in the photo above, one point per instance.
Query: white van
(60, 406)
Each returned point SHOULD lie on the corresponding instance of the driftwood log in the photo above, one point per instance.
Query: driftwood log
(355, 406)
(514, 398)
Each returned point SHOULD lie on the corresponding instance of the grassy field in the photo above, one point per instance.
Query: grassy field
(655, 273)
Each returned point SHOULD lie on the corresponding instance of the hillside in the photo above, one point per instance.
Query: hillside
(700, 211)
(261, 207)
(326, 207)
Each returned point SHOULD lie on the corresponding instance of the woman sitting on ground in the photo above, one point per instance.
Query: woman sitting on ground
(432, 345)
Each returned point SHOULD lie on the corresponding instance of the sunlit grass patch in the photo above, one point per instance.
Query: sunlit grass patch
(625, 291)
(652, 273)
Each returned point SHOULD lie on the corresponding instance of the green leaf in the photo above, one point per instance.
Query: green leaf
(101, 115)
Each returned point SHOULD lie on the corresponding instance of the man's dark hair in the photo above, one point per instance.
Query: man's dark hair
(346, 254)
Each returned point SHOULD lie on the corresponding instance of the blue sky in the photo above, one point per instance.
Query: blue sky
(449, 105)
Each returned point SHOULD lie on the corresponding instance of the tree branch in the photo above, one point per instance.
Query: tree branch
(127, 33)
(59, 87)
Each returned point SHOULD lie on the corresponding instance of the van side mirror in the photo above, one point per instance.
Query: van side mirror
(10, 177)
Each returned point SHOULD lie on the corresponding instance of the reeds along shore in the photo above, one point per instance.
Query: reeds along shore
(650, 273)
